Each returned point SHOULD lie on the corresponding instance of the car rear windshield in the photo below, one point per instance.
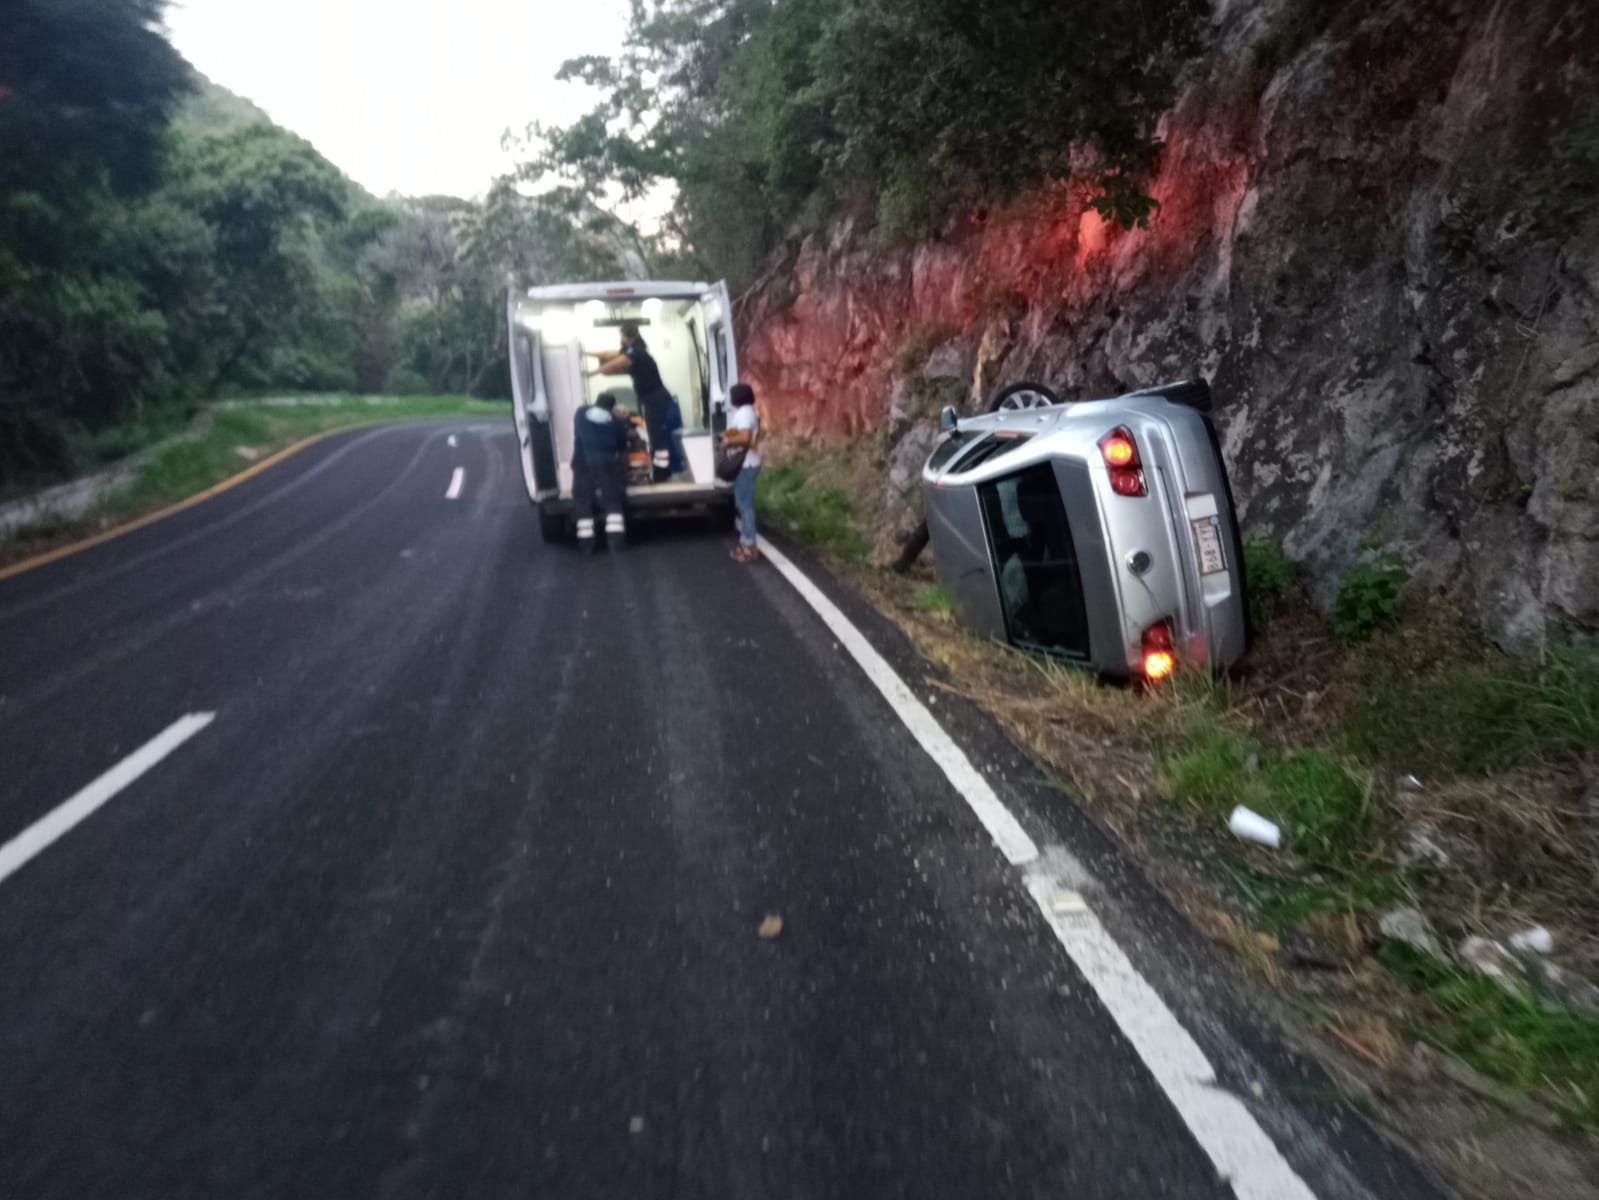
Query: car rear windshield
(995, 445)
(1035, 562)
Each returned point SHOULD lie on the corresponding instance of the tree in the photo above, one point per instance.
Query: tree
(268, 199)
(763, 112)
(86, 87)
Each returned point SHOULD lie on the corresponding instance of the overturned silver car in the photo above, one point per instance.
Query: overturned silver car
(1101, 531)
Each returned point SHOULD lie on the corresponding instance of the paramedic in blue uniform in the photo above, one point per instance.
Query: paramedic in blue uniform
(655, 402)
(599, 471)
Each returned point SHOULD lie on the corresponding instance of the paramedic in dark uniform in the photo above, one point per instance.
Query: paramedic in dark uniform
(599, 471)
(655, 402)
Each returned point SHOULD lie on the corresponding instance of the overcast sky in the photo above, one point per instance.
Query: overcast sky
(404, 95)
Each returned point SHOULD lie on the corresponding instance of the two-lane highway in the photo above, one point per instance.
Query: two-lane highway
(451, 885)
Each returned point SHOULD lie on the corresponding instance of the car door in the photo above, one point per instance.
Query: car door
(530, 408)
(717, 309)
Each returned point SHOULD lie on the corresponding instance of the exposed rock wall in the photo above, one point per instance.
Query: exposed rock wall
(1403, 347)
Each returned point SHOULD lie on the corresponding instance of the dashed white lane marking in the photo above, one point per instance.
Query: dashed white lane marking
(36, 838)
(456, 480)
(452, 439)
(1220, 1123)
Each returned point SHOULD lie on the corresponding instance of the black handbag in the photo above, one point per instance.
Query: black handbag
(729, 462)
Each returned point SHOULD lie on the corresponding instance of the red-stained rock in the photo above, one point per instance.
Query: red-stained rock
(1347, 245)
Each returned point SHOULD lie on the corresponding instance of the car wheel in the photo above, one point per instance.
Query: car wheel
(1024, 395)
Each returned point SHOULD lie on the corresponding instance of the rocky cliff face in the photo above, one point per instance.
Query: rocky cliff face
(1349, 245)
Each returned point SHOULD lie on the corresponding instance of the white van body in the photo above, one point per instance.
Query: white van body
(689, 330)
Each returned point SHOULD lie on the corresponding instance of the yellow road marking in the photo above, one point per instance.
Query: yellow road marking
(231, 481)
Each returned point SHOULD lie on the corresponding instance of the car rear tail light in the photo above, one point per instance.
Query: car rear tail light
(1120, 453)
(1160, 657)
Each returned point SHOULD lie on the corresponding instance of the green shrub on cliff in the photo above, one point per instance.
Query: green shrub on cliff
(916, 108)
(1368, 594)
(1568, 187)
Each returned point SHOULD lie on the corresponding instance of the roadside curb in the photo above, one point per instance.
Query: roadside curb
(232, 481)
(75, 498)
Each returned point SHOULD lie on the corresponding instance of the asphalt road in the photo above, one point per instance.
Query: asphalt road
(458, 892)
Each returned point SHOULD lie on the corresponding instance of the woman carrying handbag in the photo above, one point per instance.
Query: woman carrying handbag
(741, 462)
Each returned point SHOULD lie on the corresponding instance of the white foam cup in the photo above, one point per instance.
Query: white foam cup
(1253, 827)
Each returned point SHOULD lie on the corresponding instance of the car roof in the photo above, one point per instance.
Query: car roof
(625, 289)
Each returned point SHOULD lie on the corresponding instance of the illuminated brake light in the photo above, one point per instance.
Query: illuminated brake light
(1120, 453)
(1160, 658)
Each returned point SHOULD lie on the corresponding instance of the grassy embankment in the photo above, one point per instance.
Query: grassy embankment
(1409, 762)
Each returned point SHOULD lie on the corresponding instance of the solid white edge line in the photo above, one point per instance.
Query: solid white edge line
(1224, 1128)
(1220, 1123)
(36, 838)
(457, 478)
(1000, 822)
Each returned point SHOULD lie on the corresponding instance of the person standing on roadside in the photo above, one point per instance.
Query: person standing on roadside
(655, 402)
(744, 430)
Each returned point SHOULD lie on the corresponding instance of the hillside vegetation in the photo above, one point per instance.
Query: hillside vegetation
(162, 242)
(766, 114)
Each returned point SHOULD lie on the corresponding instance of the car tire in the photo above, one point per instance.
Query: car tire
(1023, 396)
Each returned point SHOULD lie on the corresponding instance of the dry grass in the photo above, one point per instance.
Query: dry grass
(1097, 739)
(1520, 851)
(1323, 734)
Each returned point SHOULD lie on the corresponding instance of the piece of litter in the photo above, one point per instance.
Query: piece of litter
(1536, 940)
(1489, 958)
(1410, 926)
(1253, 827)
(1065, 901)
(1409, 783)
(771, 927)
(636, 1125)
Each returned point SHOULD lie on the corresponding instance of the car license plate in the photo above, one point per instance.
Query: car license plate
(1207, 544)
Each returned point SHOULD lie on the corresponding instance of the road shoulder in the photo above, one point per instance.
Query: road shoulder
(1244, 1030)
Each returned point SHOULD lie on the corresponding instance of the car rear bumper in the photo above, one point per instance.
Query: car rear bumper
(657, 497)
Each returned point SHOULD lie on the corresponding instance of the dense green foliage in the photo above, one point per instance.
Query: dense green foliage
(766, 111)
(1368, 594)
(818, 515)
(1481, 716)
(81, 130)
(1271, 576)
(1567, 189)
(161, 242)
